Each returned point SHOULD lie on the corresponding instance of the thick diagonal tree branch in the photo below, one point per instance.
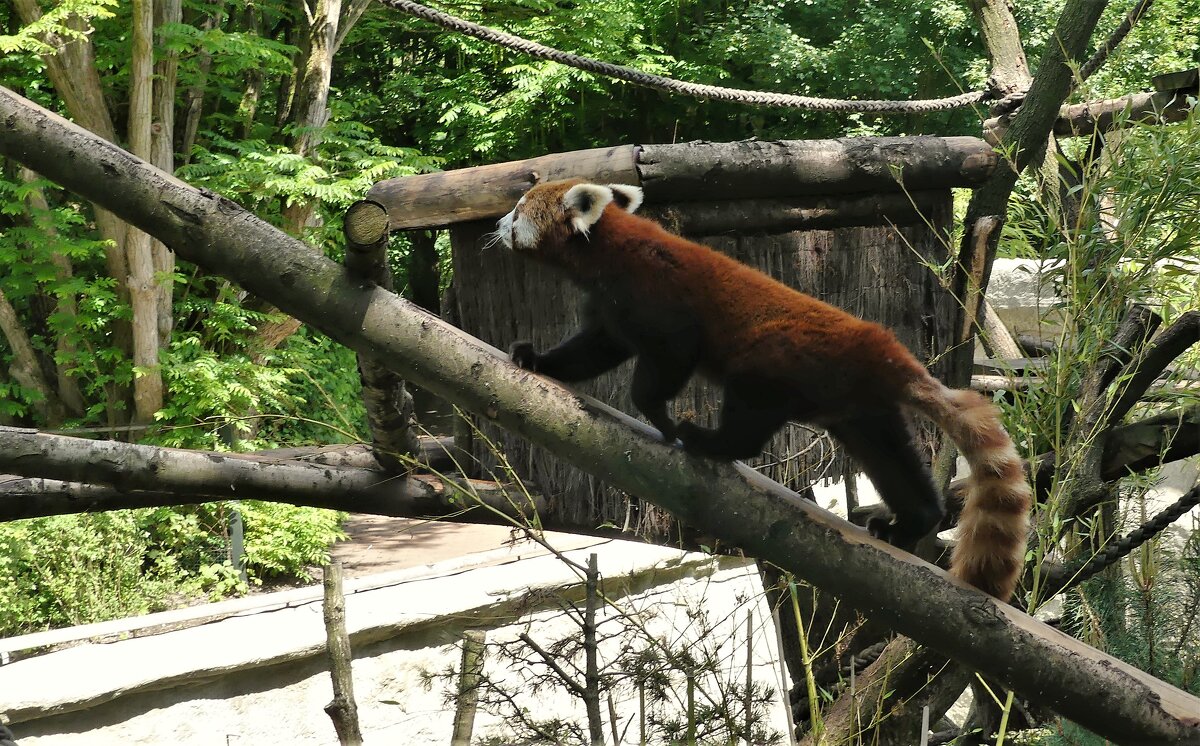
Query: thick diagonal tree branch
(731, 502)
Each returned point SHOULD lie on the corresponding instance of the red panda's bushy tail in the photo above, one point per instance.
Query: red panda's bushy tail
(990, 552)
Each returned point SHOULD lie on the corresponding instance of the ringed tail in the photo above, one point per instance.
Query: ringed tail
(992, 530)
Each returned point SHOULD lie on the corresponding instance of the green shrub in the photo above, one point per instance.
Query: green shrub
(67, 570)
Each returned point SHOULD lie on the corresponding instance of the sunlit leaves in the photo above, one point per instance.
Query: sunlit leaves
(65, 21)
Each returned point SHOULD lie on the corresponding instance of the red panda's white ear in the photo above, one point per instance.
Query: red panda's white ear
(626, 197)
(587, 203)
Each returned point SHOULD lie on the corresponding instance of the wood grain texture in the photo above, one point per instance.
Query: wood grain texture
(850, 168)
(446, 197)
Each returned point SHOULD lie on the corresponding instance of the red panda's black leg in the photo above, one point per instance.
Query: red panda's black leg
(882, 445)
(587, 354)
(750, 415)
(657, 378)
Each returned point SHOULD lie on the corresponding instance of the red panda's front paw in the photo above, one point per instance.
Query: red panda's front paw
(523, 355)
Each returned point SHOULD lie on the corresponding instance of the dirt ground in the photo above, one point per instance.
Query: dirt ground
(378, 543)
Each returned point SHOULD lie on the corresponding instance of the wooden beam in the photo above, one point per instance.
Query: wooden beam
(1084, 119)
(792, 168)
(432, 200)
(698, 171)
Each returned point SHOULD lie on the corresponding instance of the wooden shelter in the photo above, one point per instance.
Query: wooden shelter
(863, 223)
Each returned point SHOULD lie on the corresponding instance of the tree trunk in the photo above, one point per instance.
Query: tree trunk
(248, 106)
(309, 112)
(162, 148)
(25, 368)
(65, 306)
(195, 95)
(143, 290)
(72, 72)
(1002, 41)
(731, 502)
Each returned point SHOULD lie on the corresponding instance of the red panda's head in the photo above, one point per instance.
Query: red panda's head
(551, 214)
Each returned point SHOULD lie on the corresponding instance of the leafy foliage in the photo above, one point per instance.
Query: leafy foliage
(68, 20)
(1129, 233)
(67, 570)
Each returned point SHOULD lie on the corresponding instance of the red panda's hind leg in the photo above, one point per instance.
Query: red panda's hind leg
(883, 447)
(750, 415)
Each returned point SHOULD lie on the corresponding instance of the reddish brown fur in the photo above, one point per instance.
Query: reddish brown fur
(751, 321)
(990, 552)
(833, 363)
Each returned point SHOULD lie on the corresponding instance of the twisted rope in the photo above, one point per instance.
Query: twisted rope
(1135, 538)
(658, 82)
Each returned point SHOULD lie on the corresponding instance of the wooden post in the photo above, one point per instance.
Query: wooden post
(388, 403)
(749, 698)
(591, 642)
(342, 709)
(470, 672)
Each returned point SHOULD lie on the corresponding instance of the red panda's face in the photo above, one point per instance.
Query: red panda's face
(550, 214)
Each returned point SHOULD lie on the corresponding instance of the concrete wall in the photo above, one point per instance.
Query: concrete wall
(260, 677)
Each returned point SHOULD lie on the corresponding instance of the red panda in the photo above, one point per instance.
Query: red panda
(780, 355)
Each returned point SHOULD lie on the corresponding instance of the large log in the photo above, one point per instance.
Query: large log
(446, 197)
(732, 502)
(74, 475)
(1083, 119)
(794, 168)
(750, 169)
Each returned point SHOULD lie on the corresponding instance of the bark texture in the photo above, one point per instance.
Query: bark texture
(343, 709)
(437, 199)
(732, 502)
(388, 403)
(55, 474)
(139, 252)
(700, 171)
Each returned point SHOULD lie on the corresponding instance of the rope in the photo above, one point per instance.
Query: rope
(1135, 538)
(637, 77)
